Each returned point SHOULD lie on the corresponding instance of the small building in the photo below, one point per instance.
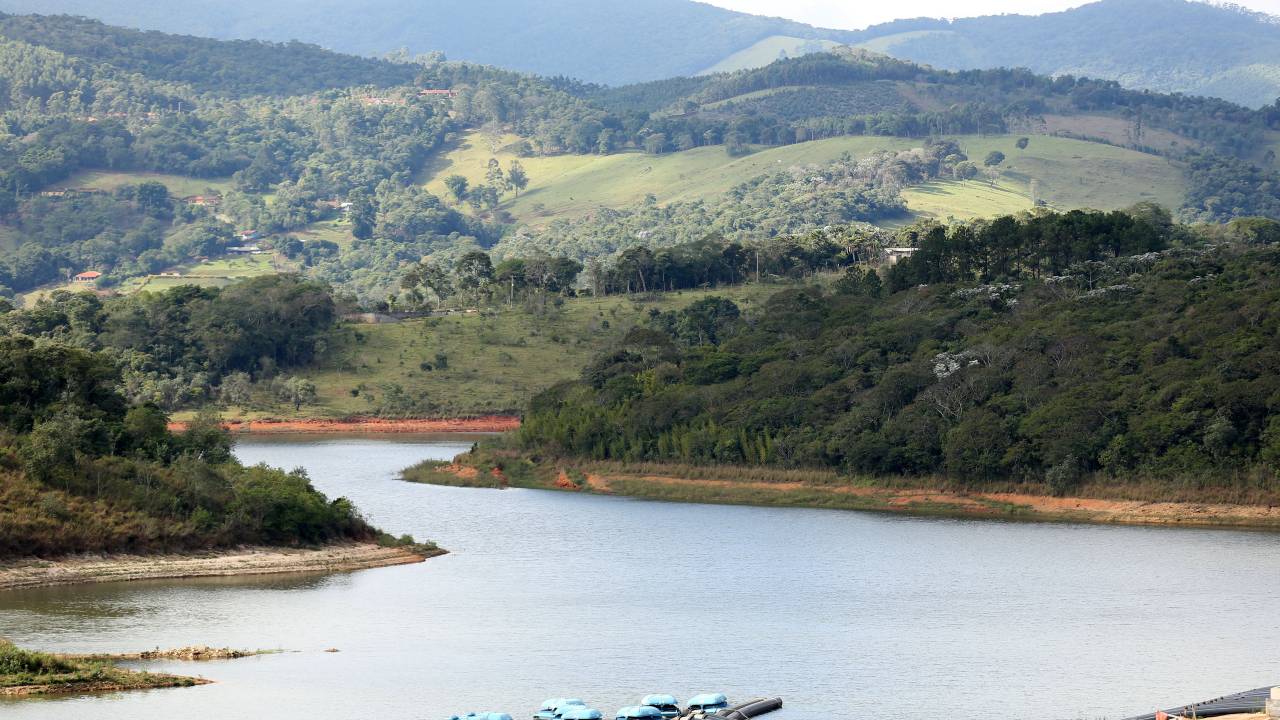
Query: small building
(244, 250)
(436, 92)
(88, 276)
(893, 254)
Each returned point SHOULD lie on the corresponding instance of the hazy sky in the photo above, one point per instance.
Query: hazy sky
(857, 14)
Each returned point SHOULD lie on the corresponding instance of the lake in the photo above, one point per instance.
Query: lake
(842, 614)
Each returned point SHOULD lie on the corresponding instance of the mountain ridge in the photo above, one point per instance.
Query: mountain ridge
(1162, 45)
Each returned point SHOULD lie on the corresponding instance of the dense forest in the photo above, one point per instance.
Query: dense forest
(233, 68)
(83, 470)
(87, 460)
(1194, 48)
(183, 347)
(1047, 349)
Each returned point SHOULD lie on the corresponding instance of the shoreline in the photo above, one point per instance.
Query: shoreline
(129, 680)
(942, 503)
(31, 573)
(478, 424)
(788, 490)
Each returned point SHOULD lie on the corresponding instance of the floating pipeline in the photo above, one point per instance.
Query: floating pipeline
(1249, 701)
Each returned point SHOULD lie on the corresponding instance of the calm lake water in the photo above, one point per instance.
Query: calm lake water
(843, 614)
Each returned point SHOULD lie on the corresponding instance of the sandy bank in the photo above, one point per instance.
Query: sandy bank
(483, 424)
(940, 502)
(130, 681)
(31, 573)
(796, 489)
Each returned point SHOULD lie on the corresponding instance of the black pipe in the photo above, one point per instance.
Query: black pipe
(751, 709)
(1249, 701)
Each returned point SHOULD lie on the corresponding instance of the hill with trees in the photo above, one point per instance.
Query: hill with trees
(605, 41)
(1181, 46)
(1047, 350)
(87, 460)
(83, 470)
(341, 183)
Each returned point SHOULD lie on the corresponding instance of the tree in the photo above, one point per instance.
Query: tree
(510, 273)
(474, 272)
(994, 158)
(517, 179)
(457, 186)
(1023, 143)
(493, 174)
(483, 196)
(655, 143)
(153, 198)
(427, 279)
(363, 214)
(296, 390)
(236, 389)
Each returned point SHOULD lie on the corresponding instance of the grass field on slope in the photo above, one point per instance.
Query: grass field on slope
(496, 362)
(214, 273)
(768, 50)
(179, 185)
(1069, 173)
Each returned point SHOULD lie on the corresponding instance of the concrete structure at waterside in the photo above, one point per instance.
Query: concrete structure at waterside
(1273, 705)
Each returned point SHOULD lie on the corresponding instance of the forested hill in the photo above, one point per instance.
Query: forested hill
(1050, 349)
(228, 68)
(238, 150)
(610, 41)
(1164, 45)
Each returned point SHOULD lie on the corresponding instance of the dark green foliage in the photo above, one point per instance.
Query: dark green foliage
(81, 471)
(1163, 45)
(1049, 349)
(120, 234)
(173, 347)
(608, 41)
(234, 68)
(1223, 187)
(859, 99)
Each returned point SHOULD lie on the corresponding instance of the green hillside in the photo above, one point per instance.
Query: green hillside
(767, 50)
(1164, 45)
(607, 41)
(1053, 349)
(1069, 173)
(495, 361)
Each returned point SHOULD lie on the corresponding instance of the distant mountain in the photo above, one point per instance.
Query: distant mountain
(231, 68)
(606, 41)
(1165, 45)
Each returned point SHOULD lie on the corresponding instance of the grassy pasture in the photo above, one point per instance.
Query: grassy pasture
(179, 185)
(1069, 174)
(496, 362)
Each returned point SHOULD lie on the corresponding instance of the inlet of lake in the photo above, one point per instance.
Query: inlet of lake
(547, 594)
